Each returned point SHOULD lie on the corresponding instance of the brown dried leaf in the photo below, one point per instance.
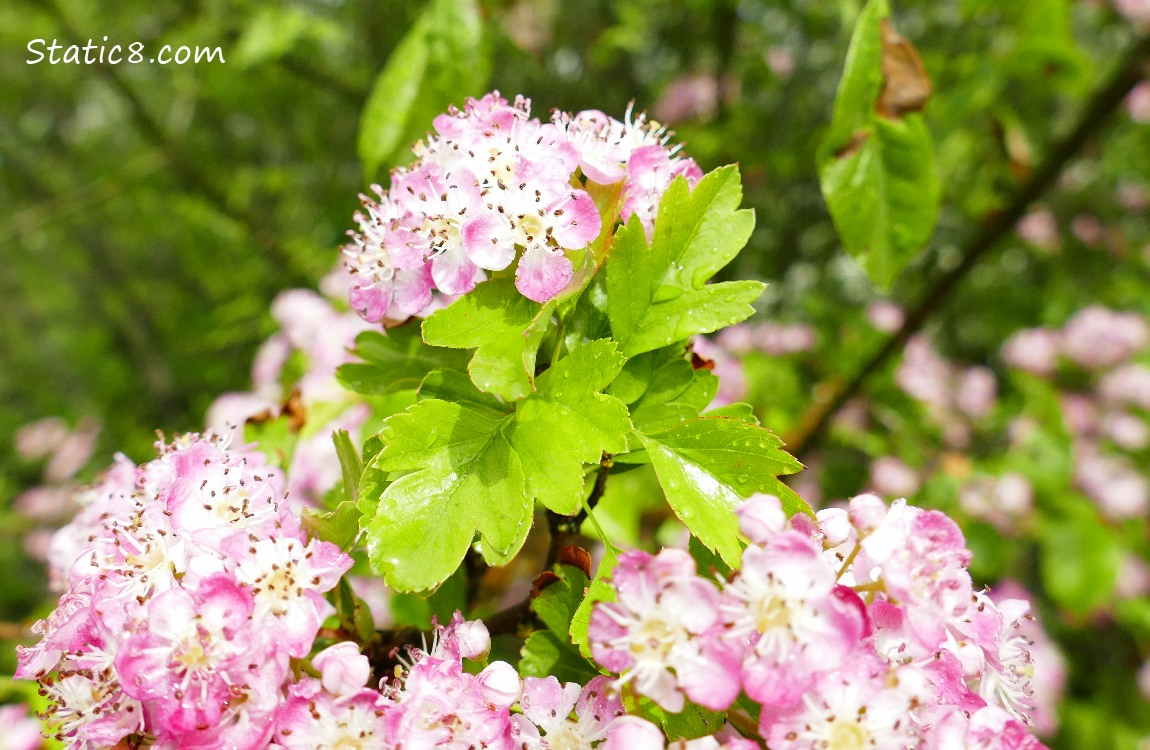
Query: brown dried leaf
(905, 84)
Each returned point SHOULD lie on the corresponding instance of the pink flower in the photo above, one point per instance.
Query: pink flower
(921, 558)
(548, 707)
(343, 669)
(782, 339)
(315, 718)
(1033, 350)
(1002, 501)
(659, 633)
(1138, 100)
(1136, 11)
(437, 704)
(1040, 229)
(1097, 338)
(785, 610)
(885, 316)
(191, 587)
(976, 392)
(1048, 665)
(891, 477)
(1127, 385)
(21, 731)
(856, 707)
(988, 728)
(688, 97)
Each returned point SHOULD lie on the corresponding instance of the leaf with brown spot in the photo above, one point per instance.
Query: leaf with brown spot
(905, 84)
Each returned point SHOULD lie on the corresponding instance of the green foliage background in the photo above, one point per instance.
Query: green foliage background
(151, 213)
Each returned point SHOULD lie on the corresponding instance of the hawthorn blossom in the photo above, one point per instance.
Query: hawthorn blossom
(660, 633)
(190, 587)
(785, 609)
(556, 717)
(21, 731)
(1033, 350)
(436, 703)
(493, 187)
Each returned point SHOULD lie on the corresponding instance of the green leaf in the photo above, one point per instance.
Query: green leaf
(339, 526)
(270, 35)
(395, 361)
(600, 590)
(708, 466)
(690, 723)
(1080, 561)
(738, 410)
(501, 325)
(547, 654)
(440, 61)
(455, 386)
(877, 174)
(569, 423)
(465, 477)
(557, 603)
(657, 290)
(351, 465)
(353, 613)
(670, 389)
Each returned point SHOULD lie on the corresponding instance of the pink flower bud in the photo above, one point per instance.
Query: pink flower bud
(866, 512)
(473, 638)
(761, 517)
(836, 525)
(501, 685)
(343, 668)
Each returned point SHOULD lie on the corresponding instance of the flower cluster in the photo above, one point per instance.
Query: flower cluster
(314, 334)
(493, 187)
(190, 589)
(1108, 418)
(434, 701)
(860, 629)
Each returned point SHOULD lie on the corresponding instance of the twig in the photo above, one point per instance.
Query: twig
(992, 229)
(562, 527)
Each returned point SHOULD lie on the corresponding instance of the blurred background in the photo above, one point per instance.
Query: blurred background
(151, 213)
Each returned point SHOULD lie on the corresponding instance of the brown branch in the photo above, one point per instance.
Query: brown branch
(992, 228)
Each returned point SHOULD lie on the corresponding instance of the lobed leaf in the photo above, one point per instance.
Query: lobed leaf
(657, 290)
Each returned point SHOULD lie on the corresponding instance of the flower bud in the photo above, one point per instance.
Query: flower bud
(343, 668)
(501, 685)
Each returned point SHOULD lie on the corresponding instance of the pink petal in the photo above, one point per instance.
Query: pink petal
(542, 274)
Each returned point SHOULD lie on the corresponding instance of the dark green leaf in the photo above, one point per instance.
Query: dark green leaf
(350, 463)
(547, 654)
